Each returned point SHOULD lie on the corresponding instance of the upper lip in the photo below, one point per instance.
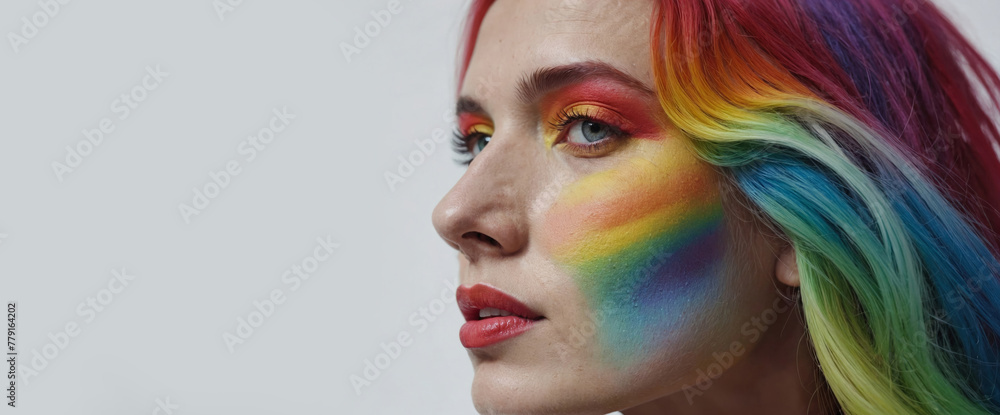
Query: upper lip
(480, 296)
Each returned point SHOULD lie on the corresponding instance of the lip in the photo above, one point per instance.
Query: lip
(482, 332)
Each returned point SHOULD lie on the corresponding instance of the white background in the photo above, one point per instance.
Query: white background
(162, 336)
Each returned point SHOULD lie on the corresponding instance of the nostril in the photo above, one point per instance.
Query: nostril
(482, 237)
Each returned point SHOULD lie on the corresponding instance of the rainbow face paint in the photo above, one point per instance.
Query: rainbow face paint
(644, 242)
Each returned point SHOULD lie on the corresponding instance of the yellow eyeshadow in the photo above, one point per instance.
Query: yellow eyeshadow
(480, 129)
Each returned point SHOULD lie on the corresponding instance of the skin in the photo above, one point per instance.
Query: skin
(533, 214)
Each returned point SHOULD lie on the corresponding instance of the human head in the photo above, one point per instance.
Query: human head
(846, 133)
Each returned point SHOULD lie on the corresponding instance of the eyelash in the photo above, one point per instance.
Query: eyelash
(565, 119)
(460, 143)
(572, 116)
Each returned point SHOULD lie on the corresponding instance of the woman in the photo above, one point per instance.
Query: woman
(726, 206)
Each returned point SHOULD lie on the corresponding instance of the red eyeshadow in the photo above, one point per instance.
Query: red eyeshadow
(466, 120)
(637, 109)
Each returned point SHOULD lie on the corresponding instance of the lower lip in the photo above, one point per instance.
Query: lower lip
(493, 330)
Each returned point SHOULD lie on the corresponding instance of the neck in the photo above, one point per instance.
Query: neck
(779, 376)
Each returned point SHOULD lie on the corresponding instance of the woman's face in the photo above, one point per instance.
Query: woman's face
(591, 211)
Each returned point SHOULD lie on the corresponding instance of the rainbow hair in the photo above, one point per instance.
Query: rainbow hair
(859, 130)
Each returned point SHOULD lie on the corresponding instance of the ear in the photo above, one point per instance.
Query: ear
(786, 269)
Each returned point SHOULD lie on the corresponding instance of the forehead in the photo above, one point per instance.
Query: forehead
(518, 37)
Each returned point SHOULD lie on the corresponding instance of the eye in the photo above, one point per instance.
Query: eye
(585, 132)
(469, 144)
(477, 142)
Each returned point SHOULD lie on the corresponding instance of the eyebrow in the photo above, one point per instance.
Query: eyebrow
(531, 87)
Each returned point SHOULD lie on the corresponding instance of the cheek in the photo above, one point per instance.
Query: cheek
(644, 242)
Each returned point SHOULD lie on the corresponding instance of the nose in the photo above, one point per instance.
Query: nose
(484, 214)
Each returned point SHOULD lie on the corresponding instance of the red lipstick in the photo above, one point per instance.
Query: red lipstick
(491, 316)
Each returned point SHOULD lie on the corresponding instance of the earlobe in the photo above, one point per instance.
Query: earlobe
(786, 269)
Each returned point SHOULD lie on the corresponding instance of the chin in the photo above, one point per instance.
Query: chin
(496, 396)
(501, 388)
